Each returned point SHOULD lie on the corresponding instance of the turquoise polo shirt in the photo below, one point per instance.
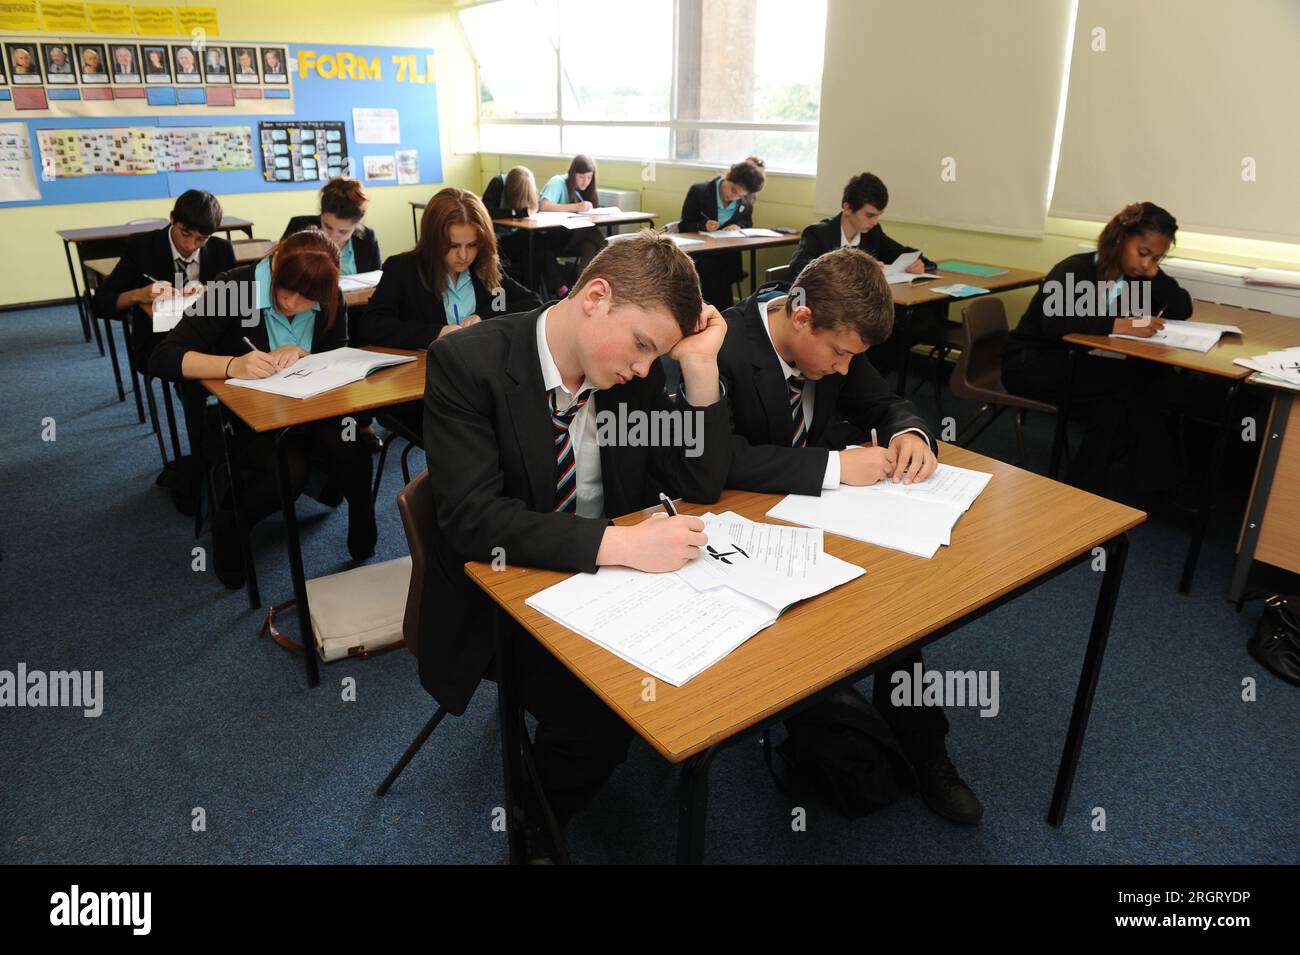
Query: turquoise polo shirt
(557, 190)
(725, 212)
(299, 330)
(347, 259)
(458, 299)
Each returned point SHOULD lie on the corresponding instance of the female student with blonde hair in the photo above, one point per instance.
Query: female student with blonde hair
(1100, 293)
(343, 205)
(512, 195)
(286, 306)
(723, 203)
(573, 191)
(451, 279)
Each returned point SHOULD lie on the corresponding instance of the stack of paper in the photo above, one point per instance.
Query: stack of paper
(1276, 367)
(354, 283)
(322, 372)
(168, 312)
(761, 233)
(914, 518)
(1192, 336)
(896, 271)
(681, 240)
(604, 211)
(675, 626)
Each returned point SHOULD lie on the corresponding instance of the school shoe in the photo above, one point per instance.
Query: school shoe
(944, 792)
(227, 560)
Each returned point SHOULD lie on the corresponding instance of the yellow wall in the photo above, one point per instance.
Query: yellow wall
(32, 265)
(788, 201)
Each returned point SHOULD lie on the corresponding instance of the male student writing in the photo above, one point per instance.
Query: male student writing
(856, 225)
(511, 403)
(799, 386)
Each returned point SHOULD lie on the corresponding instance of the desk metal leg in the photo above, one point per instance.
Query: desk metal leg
(753, 271)
(134, 372)
(903, 330)
(245, 540)
(1116, 552)
(1062, 416)
(415, 226)
(532, 263)
(153, 417)
(171, 422)
(295, 558)
(1202, 519)
(692, 807)
(76, 290)
(1259, 498)
(508, 716)
(112, 355)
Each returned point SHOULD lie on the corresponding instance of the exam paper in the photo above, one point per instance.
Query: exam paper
(353, 283)
(1192, 336)
(168, 312)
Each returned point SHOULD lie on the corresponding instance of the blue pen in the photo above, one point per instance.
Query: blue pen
(455, 312)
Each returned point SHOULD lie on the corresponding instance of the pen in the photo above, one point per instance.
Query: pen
(668, 505)
(874, 442)
(250, 345)
(455, 311)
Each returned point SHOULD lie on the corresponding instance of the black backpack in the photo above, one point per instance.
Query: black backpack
(842, 749)
(1276, 641)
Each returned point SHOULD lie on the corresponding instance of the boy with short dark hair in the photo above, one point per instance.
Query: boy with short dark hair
(856, 225)
(515, 464)
(800, 388)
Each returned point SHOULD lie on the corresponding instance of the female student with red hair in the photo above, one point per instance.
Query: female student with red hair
(287, 305)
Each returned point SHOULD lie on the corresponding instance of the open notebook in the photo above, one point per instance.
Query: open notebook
(1193, 336)
(361, 280)
(914, 518)
(324, 371)
(674, 626)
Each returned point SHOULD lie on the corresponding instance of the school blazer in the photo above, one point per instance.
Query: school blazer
(487, 426)
(825, 236)
(701, 205)
(494, 197)
(762, 458)
(1039, 330)
(405, 313)
(365, 248)
(149, 253)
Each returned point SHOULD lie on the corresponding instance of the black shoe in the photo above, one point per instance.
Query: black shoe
(227, 560)
(944, 792)
(369, 440)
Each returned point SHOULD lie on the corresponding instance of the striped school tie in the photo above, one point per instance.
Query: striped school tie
(799, 427)
(566, 464)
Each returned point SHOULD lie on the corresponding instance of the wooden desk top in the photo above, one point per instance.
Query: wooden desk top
(621, 218)
(359, 296)
(1021, 527)
(102, 267)
(921, 293)
(249, 250)
(1260, 332)
(122, 231)
(387, 386)
(743, 244)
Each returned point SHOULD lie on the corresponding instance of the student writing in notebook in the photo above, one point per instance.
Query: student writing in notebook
(575, 191)
(723, 203)
(513, 404)
(800, 387)
(287, 305)
(1097, 293)
(512, 195)
(182, 255)
(343, 205)
(856, 226)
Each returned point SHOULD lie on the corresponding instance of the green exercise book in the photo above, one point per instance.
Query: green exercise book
(970, 268)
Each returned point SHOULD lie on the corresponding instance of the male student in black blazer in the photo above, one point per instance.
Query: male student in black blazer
(799, 387)
(856, 225)
(492, 399)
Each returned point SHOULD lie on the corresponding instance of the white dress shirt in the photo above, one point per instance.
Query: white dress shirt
(582, 430)
(191, 264)
(844, 240)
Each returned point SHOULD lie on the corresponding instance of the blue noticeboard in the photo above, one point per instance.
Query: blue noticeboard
(328, 91)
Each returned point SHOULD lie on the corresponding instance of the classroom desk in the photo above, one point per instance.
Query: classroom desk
(1261, 332)
(355, 298)
(531, 228)
(274, 413)
(1024, 529)
(920, 293)
(104, 239)
(1270, 530)
(708, 245)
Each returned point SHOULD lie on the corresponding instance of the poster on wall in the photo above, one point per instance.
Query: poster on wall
(303, 151)
(17, 172)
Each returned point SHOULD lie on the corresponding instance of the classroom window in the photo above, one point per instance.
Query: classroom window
(707, 81)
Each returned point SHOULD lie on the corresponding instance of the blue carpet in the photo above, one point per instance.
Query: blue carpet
(201, 714)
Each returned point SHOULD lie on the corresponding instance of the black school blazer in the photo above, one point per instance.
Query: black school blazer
(762, 458)
(825, 236)
(406, 313)
(701, 205)
(493, 480)
(365, 248)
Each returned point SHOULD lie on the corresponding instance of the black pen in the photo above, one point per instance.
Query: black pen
(668, 505)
